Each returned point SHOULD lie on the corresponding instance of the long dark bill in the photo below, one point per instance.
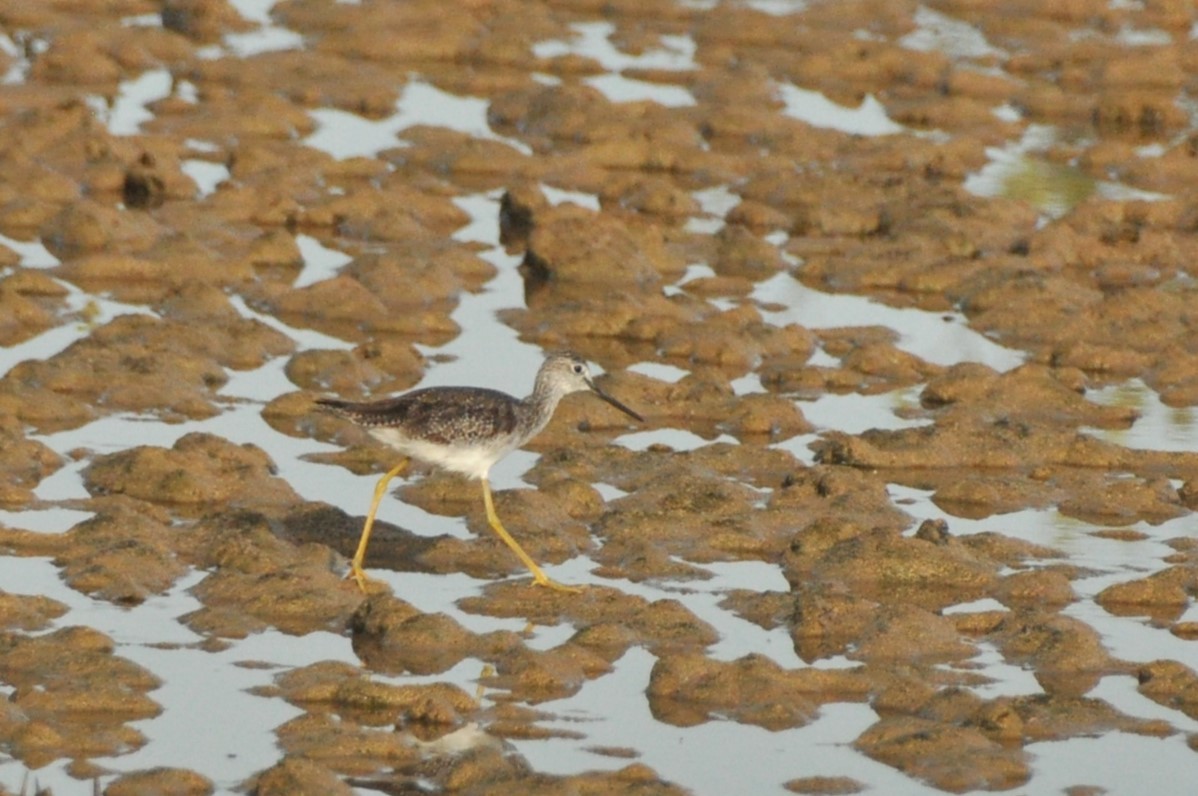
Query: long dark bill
(595, 389)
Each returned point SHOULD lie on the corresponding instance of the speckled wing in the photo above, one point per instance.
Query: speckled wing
(441, 415)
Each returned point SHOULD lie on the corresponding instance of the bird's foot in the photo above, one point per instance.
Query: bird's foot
(365, 583)
(541, 579)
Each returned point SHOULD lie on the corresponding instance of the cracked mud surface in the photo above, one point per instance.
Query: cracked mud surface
(911, 567)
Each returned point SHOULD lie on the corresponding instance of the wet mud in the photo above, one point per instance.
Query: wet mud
(906, 607)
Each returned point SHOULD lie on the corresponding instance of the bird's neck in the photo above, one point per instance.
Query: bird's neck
(542, 403)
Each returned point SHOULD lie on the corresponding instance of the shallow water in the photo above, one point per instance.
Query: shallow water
(611, 711)
(344, 135)
(1019, 171)
(941, 338)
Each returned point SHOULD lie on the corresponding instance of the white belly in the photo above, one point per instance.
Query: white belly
(471, 460)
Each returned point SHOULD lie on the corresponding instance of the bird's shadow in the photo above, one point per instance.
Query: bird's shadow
(391, 547)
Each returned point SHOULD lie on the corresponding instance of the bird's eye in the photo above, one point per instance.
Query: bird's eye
(578, 368)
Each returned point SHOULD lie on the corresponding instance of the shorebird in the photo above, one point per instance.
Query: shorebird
(466, 430)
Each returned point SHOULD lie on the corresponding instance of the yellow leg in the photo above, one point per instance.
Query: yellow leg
(355, 567)
(539, 577)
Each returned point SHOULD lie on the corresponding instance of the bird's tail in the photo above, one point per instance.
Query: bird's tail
(375, 413)
(339, 407)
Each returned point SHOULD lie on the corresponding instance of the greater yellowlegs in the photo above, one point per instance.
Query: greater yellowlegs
(466, 430)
